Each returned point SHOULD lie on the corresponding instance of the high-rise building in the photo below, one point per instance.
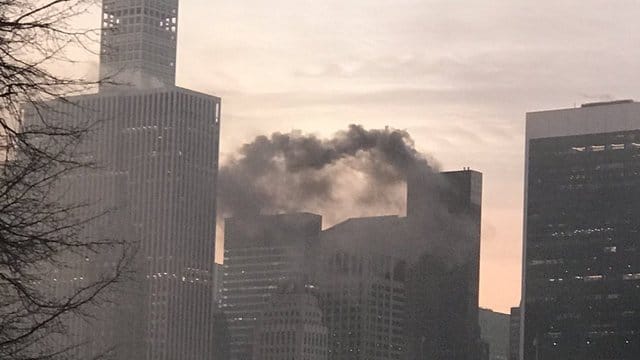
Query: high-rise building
(361, 287)
(388, 287)
(156, 150)
(443, 283)
(290, 326)
(514, 334)
(261, 253)
(139, 42)
(581, 291)
(406, 288)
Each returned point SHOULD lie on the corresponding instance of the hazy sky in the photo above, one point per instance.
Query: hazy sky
(459, 75)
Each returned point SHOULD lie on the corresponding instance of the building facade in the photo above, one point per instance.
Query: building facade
(443, 281)
(157, 154)
(494, 328)
(155, 147)
(139, 42)
(581, 291)
(290, 326)
(361, 288)
(514, 334)
(407, 287)
(261, 253)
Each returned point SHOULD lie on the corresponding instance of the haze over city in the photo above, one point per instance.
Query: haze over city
(319, 180)
(458, 76)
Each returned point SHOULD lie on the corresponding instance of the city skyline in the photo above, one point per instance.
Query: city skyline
(458, 78)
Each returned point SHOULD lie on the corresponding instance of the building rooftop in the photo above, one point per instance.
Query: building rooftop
(592, 118)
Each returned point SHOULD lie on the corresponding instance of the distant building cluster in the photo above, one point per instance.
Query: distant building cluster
(376, 288)
(377, 298)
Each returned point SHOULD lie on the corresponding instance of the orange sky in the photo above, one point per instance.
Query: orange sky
(459, 75)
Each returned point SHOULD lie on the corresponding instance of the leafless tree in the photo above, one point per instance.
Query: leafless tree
(39, 231)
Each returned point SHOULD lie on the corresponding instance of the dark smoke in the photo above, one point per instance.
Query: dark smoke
(356, 168)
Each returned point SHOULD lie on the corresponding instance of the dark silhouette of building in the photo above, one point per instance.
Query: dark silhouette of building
(443, 284)
(221, 337)
(394, 287)
(261, 253)
(389, 287)
(581, 294)
(494, 329)
(514, 334)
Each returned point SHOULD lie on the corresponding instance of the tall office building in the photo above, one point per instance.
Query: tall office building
(389, 287)
(361, 287)
(443, 283)
(261, 253)
(156, 147)
(406, 288)
(581, 291)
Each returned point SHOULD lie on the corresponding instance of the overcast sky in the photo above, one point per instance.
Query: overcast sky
(459, 75)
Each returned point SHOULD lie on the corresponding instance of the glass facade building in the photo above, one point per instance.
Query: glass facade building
(581, 293)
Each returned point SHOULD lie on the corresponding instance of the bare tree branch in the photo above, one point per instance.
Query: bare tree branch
(44, 229)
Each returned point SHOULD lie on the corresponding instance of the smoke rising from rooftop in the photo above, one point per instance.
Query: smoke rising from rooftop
(358, 171)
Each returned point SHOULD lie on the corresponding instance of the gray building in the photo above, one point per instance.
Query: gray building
(389, 287)
(139, 42)
(290, 326)
(407, 287)
(443, 283)
(514, 334)
(261, 253)
(156, 147)
(361, 285)
(494, 328)
(581, 297)
(218, 278)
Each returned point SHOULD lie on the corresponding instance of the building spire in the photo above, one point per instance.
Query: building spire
(139, 42)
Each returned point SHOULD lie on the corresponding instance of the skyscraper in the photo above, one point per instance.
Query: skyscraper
(443, 283)
(139, 42)
(581, 291)
(156, 147)
(361, 285)
(261, 253)
(406, 288)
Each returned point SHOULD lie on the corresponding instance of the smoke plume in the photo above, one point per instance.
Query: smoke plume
(356, 172)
